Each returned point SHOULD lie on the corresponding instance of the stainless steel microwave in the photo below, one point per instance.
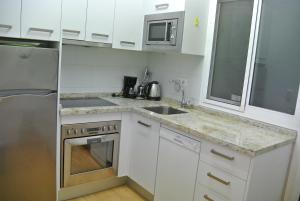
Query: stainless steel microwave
(163, 32)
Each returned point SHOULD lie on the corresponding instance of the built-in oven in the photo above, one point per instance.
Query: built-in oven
(163, 31)
(89, 152)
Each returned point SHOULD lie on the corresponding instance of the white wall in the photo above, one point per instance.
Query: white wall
(166, 67)
(92, 69)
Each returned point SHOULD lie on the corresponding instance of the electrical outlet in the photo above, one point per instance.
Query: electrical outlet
(183, 82)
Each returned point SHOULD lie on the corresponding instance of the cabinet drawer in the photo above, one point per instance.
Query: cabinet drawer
(229, 186)
(228, 160)
(202, 193)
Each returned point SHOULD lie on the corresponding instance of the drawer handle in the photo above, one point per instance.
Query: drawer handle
(6, 26)
(100, 35)
(207, 198)
(226, 183)
(231, 158)
(127, 43)
(144, 124)
(162, 6)
(41, 30)
(71, 31)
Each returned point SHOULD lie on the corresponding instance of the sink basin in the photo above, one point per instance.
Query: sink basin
(164, 110)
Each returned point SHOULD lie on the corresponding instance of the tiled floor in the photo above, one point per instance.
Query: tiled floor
(122, 193)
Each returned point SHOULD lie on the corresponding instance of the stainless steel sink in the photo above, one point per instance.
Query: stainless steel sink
(165, 110)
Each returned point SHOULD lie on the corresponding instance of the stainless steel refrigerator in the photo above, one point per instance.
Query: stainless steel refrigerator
(28, 122)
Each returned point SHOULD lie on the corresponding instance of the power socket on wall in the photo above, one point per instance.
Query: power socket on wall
(181, 82)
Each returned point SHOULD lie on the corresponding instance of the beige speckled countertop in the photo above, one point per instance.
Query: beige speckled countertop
(244, 135)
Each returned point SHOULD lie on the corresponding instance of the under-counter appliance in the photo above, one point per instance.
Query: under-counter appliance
(89, 152)
(163, 32)
(28, 120)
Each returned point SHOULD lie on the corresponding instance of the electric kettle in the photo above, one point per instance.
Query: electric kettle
(152, 91)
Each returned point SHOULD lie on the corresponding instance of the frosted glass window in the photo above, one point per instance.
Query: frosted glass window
(231, 43)
(277, 62)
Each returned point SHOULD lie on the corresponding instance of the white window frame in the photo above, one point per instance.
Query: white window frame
(244, 109)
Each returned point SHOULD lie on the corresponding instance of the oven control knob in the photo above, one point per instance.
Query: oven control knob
(76, 131)
(82, 130)
(111, 128)
(115, 127)
(69, 131)
(104, 128)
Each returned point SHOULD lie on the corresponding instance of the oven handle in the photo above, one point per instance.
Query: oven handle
(92, 140)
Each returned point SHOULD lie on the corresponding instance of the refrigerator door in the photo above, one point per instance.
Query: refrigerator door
(28, 126)
(28, 68)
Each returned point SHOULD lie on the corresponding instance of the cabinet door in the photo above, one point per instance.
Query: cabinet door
(144, 149)
(41, 19)
(128, 26)
(74, 19)
(10, 11)
(163, 6)
(100, 20)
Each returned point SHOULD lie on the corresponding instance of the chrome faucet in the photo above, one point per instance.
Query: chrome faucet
(183, 102)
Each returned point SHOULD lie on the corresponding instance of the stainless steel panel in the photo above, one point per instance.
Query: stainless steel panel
(28, 68)
(28, 147)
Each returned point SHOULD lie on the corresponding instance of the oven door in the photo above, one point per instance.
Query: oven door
(90, 158)
(161, 32)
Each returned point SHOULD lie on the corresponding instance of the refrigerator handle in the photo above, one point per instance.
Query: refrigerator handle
(41, 93)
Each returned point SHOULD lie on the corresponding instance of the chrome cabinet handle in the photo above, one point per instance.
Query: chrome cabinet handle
(207, 198)
(210, 175)
(162, 6)
(71, 31)
(231, 158)
(100, 35)
(5, 26)
(41, 30)
(144, 124)
(127, 43)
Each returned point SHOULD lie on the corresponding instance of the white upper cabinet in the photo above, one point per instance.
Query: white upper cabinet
(128, 26)
(74, 19)
(41, 19)
(10, 11)
(163, 6)
(100, 20)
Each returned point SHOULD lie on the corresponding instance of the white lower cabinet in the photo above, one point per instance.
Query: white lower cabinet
(143, 151)
(177, 167)
(203, 193)
(230, 187)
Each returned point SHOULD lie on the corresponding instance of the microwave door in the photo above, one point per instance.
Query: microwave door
(156, 34)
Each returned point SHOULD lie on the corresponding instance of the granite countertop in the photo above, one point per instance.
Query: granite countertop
(247, 136)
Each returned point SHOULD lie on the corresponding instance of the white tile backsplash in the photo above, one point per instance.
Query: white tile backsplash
(91, 69)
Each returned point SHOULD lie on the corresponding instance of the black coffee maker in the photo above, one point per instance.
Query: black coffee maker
(128, 86)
